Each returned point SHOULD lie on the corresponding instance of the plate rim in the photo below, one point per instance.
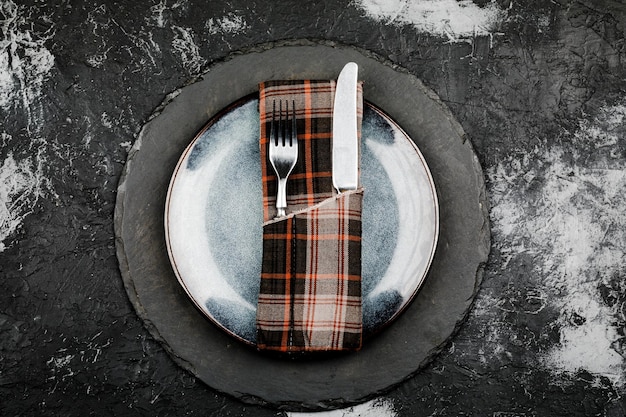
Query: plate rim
(184, 157)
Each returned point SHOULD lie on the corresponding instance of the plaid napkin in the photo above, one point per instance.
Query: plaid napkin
(310, 292)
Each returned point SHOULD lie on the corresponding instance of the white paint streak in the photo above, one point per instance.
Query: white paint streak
(25, 62)
(25, 65)
(184, 45)
(157, 13)
(229, 24)
(452, 19)
(374, 408)
(106, 121)
(60, 362)
(567, 213)
(126, 145)
(22, 183)
(604, 131)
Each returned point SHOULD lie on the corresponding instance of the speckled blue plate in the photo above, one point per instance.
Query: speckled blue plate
(213, 219)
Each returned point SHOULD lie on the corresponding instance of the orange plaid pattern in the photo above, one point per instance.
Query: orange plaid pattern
(310, 291)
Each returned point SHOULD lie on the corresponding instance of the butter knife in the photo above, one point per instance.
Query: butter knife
(345, 153)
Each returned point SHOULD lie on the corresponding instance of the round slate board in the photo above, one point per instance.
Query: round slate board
(232, 367)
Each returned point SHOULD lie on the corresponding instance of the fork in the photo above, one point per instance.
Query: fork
(283, 150)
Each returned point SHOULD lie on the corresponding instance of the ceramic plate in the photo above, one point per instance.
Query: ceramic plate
(213, 219)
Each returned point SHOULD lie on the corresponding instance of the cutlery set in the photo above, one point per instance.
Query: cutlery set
(283, 144)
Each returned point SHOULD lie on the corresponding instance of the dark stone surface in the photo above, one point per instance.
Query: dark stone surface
(541, 99)
(385, 360)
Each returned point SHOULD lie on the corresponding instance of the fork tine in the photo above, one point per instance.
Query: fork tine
(294, 132)
(281, 126)
(273, 136)
(287, 127)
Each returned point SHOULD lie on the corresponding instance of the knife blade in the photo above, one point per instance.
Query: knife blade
(345, 153)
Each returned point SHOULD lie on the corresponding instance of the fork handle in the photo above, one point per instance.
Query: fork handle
(281, 197)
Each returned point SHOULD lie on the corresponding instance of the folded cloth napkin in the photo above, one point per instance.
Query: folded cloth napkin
(310, 291)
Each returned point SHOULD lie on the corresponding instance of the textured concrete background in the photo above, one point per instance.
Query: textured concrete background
(538, 87)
